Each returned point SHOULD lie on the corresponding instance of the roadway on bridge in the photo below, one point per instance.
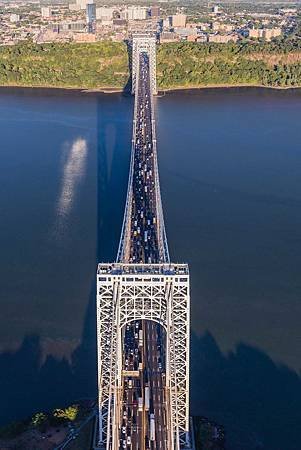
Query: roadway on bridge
(143, 410)
(144, 240)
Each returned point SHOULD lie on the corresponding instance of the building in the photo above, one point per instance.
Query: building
(74, 7)
(185, 32)
(192, 38)
(288, 11)
(167, 22)
(255, 33)
(204, 26)
(215, 9)
(169, 36)
(178, 20)
(82, 3)
(46, 11)
(119, 22)
(136, 13)
(264, 33)
(91, 17)
(218, 26)
(84, 37)
(202, 37)
(154, 11)
(69, 26)
(223, 38)
(270, 33)
(15, 18)
(104, 13)
(123, 14)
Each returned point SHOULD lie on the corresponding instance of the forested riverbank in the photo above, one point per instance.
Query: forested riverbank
(105, 65)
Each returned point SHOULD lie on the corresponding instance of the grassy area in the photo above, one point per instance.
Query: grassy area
(105, 65)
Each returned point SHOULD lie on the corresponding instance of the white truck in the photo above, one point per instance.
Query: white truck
(140, 341)
(146, 398)
(140, 404)
(152, 427)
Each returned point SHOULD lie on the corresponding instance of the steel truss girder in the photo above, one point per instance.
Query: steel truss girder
(128, 292)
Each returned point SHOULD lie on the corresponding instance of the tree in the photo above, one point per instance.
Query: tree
(70, 413)
(38, 419)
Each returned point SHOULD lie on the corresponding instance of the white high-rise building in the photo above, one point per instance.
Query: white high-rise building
(167, 22)
(15, 18)
(136, 13)
(74, 7)
(46, 11)
(104, 13)
(83, 3)
(179, 20)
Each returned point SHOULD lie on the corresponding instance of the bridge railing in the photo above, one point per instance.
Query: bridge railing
(162, 239)
(124, 242)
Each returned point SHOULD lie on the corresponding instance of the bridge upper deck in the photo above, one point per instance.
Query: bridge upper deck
(143, 237)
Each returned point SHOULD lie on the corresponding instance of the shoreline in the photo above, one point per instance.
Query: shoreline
(63, 89)
(228, 86)
(161, 92)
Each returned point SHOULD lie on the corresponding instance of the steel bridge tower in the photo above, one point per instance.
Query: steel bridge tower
(144, 43)
(157, 291)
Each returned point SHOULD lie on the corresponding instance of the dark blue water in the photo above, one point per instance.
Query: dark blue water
(230, 166)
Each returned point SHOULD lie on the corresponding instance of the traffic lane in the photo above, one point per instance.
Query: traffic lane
(160, 406)
(129, 413)
(140, 252)
(157, 384)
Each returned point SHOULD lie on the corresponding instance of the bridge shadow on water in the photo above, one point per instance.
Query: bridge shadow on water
(26, 385)
(257, 401)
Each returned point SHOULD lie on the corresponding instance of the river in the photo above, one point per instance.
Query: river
(230, 166)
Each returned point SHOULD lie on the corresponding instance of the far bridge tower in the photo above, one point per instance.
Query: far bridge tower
(144, 43)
